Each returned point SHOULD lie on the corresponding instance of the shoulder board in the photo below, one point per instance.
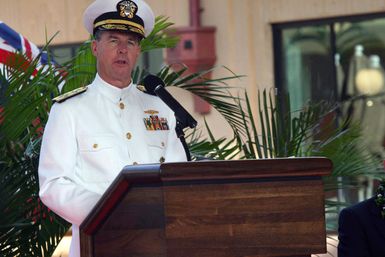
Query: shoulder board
(72, 93)
(143, 89)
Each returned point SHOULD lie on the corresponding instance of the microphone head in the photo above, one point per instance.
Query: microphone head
(150, 82)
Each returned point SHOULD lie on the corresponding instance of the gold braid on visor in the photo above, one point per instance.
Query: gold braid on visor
(122, 22)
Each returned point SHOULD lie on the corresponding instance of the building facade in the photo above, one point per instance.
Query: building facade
(245, 41)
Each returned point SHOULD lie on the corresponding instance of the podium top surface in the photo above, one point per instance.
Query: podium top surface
(232, 169)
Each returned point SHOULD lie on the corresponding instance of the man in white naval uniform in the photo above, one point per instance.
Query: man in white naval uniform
(94, 132)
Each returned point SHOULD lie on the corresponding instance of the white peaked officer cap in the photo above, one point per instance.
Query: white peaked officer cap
(133, 16)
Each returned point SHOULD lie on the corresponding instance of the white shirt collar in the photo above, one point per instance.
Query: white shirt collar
(113, 93)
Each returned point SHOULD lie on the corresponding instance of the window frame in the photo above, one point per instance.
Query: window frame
(277, 32)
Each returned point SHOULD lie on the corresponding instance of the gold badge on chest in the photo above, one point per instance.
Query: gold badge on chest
(153, 122)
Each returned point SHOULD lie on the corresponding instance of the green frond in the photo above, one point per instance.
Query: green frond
(159, 38)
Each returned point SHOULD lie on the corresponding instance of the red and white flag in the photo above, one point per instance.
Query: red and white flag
(12, 42)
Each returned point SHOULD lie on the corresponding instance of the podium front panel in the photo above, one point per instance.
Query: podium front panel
(211, 209)
(268, 218)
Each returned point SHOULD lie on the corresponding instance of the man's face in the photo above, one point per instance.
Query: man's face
(116, 55)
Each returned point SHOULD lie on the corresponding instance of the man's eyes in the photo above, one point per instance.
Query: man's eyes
(130, 43)
(113, 41)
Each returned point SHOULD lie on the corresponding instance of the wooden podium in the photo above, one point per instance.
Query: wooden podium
(271, 207)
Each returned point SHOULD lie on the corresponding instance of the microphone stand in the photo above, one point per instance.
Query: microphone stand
(180, 135)
(183, 121)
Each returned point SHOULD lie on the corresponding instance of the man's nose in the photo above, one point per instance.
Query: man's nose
(123, 48)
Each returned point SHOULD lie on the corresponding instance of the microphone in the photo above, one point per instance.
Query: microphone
(155, 86)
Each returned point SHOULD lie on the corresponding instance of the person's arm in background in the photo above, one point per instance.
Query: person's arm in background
(58, 190)
(352, 238)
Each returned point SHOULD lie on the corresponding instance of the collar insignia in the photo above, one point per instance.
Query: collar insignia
(127, 8)
(143, 89)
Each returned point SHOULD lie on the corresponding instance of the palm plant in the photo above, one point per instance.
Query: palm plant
(28, 228)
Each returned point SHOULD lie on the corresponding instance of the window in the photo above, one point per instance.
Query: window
(151, 61)
(321, 59)
(64, 53)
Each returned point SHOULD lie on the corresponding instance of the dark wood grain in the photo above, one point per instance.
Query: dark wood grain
(247, 218)
(266, 168)
(212, 209)
(136, 227)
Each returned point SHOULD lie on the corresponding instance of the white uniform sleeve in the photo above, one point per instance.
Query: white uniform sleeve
(58, 190)
(175, 151)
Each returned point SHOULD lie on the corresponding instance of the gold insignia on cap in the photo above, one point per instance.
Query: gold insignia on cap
(127, 9)
(65, 96)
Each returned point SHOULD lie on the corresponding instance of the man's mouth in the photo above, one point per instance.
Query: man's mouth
(121, 62)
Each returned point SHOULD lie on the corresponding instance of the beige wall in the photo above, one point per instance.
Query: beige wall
(34, 18)
(243, 40)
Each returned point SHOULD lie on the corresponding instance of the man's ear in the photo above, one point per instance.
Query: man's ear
(94, 47)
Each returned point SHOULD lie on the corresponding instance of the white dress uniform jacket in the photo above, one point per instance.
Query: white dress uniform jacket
(90, 137)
